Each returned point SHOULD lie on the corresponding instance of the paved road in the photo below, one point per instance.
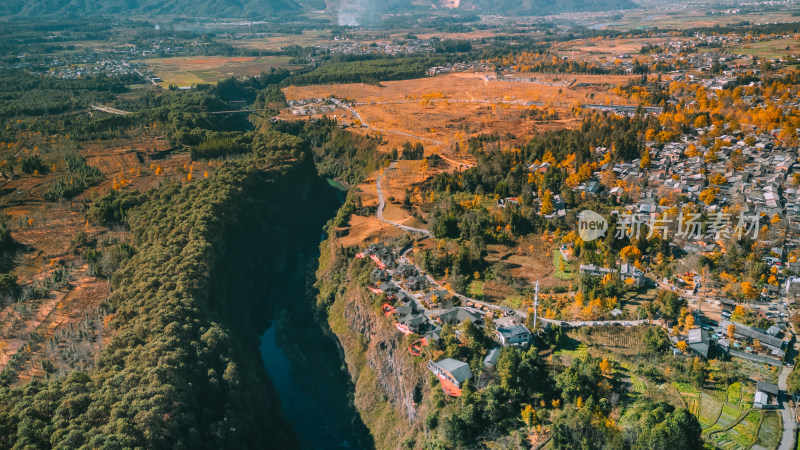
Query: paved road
(520, 312)
(382, 204)
(787, 441)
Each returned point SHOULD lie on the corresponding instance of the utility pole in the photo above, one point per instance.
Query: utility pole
(535, 304)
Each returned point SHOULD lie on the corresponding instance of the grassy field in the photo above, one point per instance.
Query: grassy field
(465, 104)
(193, 70)
(770, 49)
(710, 408)
(514, 301)
(276, 42)
(604, 49)
(734, 393)
(639, 385)
(771, 430)
(475, 289)
(568, 273)
(571, 348)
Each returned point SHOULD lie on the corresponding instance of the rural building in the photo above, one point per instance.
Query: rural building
(591, 269)
(753, 333)
(417, 283)
(434, 334)
(728, 305)
(793, 287)
(630, 272)
(407, 270)
(766, 396)
(626, 271)
(491, 358)
(456, 316)
(403, 298)
(452, 374)
(699, 342)
(382, 255)
(379, 275)
(443, 297)
(389, 288)
(406, 309)
(774, 345)
(414, 323)
(514, 335)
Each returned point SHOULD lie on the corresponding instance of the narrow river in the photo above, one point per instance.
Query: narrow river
(303, 359)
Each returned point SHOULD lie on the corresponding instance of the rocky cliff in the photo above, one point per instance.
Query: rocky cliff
(392, 388)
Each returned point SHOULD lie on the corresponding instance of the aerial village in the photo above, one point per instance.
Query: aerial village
(418, 305)
(758, 173)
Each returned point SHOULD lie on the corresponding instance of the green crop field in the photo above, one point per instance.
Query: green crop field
(734, 393)
(773, 49)
(769, 435)
(186, 71)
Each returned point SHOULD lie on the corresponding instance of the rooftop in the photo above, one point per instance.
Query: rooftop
(458, 369)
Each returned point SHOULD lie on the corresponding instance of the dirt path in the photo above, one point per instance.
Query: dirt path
(110, 110)
(382, 205)
(366, 124)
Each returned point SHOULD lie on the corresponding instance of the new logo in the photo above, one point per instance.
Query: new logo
(591, 225)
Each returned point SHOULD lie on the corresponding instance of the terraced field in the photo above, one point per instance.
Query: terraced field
(727, 419)
(709, 411)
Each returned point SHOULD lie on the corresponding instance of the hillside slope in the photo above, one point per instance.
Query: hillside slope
(543, 7)
(350, 12)
(197, 8)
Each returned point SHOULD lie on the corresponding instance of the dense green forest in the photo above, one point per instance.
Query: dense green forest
(339, 154)
(182, 369)
(184, 117)
(23, 94)
(370, 71)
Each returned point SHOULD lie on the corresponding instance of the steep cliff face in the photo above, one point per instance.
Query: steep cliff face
(392, 388)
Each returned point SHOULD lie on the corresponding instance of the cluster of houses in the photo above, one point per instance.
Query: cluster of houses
(124, 59)
(310, 106)
(750, 343)
(764, 188)
(759, 186)
(472, 66)
(421, 308)
(752, 340)
(403, 47)
(626, 272)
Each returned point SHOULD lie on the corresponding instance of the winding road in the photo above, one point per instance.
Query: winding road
(478, 305)
(789, 426)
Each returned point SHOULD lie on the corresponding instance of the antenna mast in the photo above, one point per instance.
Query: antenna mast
(535, 304)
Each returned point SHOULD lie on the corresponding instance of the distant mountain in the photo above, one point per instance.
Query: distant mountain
(351, 12)
(536, 7)
(153, 8)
